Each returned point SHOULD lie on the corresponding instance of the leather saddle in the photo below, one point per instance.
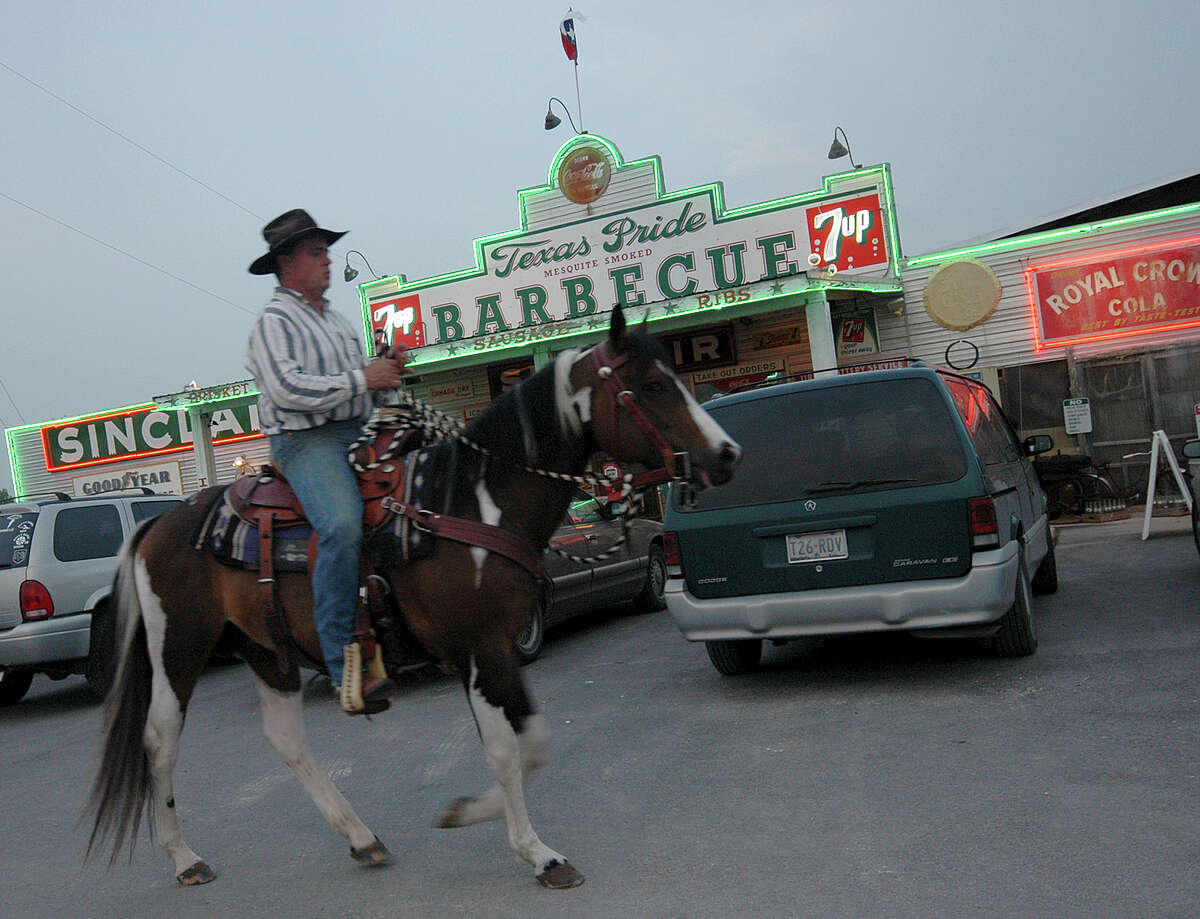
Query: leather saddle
(255, 499)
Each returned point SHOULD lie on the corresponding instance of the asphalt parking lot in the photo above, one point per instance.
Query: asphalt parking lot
(874, 776)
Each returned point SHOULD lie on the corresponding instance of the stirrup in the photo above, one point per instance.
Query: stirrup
(378, 691)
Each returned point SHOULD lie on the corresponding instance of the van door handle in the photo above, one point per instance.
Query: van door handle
(814, 526)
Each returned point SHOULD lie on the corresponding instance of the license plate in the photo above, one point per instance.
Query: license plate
(816, 547)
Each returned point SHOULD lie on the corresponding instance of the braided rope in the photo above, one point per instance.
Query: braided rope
(437, 425)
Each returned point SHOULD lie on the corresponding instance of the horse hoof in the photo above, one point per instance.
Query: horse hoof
(560, 876)
(452, 816)
(199, 873)
(373, 856)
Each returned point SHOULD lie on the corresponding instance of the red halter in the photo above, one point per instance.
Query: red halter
(616, 394)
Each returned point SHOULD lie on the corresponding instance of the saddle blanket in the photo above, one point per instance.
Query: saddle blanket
(414, 479)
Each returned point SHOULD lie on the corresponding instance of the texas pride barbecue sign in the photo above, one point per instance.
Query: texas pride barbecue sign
(633, 245)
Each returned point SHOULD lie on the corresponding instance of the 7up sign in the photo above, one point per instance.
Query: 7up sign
(398, 321)
(849, 233)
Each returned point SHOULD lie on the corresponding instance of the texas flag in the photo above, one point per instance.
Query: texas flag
(567, 28)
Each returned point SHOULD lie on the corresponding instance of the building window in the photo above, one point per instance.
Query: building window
(1033, 394)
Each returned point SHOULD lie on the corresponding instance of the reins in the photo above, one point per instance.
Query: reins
(437, 425)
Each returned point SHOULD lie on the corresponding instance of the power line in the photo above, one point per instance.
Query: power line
(140, 261)
(128, 140)
(13, 401)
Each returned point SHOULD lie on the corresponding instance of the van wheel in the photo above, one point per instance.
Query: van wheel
(13, 685)
(101, 662)
(529, 640)
(1017, 636)
(1045, 580)
(734, 658)
(652, 599)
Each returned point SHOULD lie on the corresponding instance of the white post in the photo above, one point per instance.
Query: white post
(206, 466)
(821, 344)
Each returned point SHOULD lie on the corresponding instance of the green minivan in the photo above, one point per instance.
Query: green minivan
(885, 500)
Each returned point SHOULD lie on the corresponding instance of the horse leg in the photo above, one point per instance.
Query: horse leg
(502, 713)
(284, 727)
(533, 738)
(160, 738)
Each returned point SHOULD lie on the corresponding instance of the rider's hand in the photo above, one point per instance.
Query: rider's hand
(385, 372)
(400, 353)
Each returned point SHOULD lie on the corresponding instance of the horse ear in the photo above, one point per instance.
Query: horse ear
(616, 327)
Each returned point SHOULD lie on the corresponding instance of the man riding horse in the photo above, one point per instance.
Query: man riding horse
(315, 394)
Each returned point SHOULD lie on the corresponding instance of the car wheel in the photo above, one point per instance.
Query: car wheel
(13, 685)
(1045, 580)
(101, 662)
(529, 640)
(734, 658)
(1017, 636)
(652, 597)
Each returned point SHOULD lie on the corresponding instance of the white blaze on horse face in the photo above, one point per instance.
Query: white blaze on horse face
(709, 429)
(574, 408)
(488, 513)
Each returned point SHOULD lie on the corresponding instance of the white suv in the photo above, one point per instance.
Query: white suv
(58, 555)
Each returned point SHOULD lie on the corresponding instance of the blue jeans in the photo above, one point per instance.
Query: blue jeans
(315, 464)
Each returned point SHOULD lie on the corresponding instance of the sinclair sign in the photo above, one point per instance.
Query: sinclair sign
(140, 431)
(647, 249)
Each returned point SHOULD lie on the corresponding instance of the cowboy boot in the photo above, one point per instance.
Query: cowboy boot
(359, 695)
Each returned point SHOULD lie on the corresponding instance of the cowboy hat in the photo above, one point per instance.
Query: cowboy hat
(286, 229)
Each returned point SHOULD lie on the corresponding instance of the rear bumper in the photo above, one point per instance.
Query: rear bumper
(47, 641)
(979, 597)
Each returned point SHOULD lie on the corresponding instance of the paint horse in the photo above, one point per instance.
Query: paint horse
(465, 605)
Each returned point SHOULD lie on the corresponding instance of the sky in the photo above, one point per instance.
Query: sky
(147, 143)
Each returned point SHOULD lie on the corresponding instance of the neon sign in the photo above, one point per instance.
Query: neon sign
(1115, 293)
(662, 249)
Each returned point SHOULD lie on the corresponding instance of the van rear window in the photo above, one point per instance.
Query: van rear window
(869, 436)
(16, 534)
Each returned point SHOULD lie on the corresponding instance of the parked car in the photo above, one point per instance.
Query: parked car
(1191, 451)
(888, 500)
(58, 556)
(636, 572)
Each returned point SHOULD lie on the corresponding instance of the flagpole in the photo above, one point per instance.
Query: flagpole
(578, 103)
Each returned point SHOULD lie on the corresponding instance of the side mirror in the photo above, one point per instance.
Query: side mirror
(1038, 443)
(1191, 449)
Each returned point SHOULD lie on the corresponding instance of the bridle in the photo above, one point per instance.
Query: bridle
(616, 396)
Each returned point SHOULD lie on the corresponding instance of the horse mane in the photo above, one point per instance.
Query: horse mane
(522, 426)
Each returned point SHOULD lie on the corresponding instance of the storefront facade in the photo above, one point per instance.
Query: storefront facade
(736, 294)
(1089, 332)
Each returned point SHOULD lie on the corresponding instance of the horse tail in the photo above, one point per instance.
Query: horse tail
(121, 790)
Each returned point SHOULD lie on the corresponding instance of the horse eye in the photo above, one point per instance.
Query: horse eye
(654, 386)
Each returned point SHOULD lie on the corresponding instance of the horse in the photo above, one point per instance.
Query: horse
(465, 605)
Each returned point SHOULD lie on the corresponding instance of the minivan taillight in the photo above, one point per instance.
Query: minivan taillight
(35, 601)
(671, 551)
(985, 533)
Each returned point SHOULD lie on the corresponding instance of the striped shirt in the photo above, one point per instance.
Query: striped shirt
(309, 366)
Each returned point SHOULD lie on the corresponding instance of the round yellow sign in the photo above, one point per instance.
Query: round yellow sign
(583, 175)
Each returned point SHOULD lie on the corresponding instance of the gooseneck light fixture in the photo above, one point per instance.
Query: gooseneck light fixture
(837, 150)
(351, 273)
(553, 121)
